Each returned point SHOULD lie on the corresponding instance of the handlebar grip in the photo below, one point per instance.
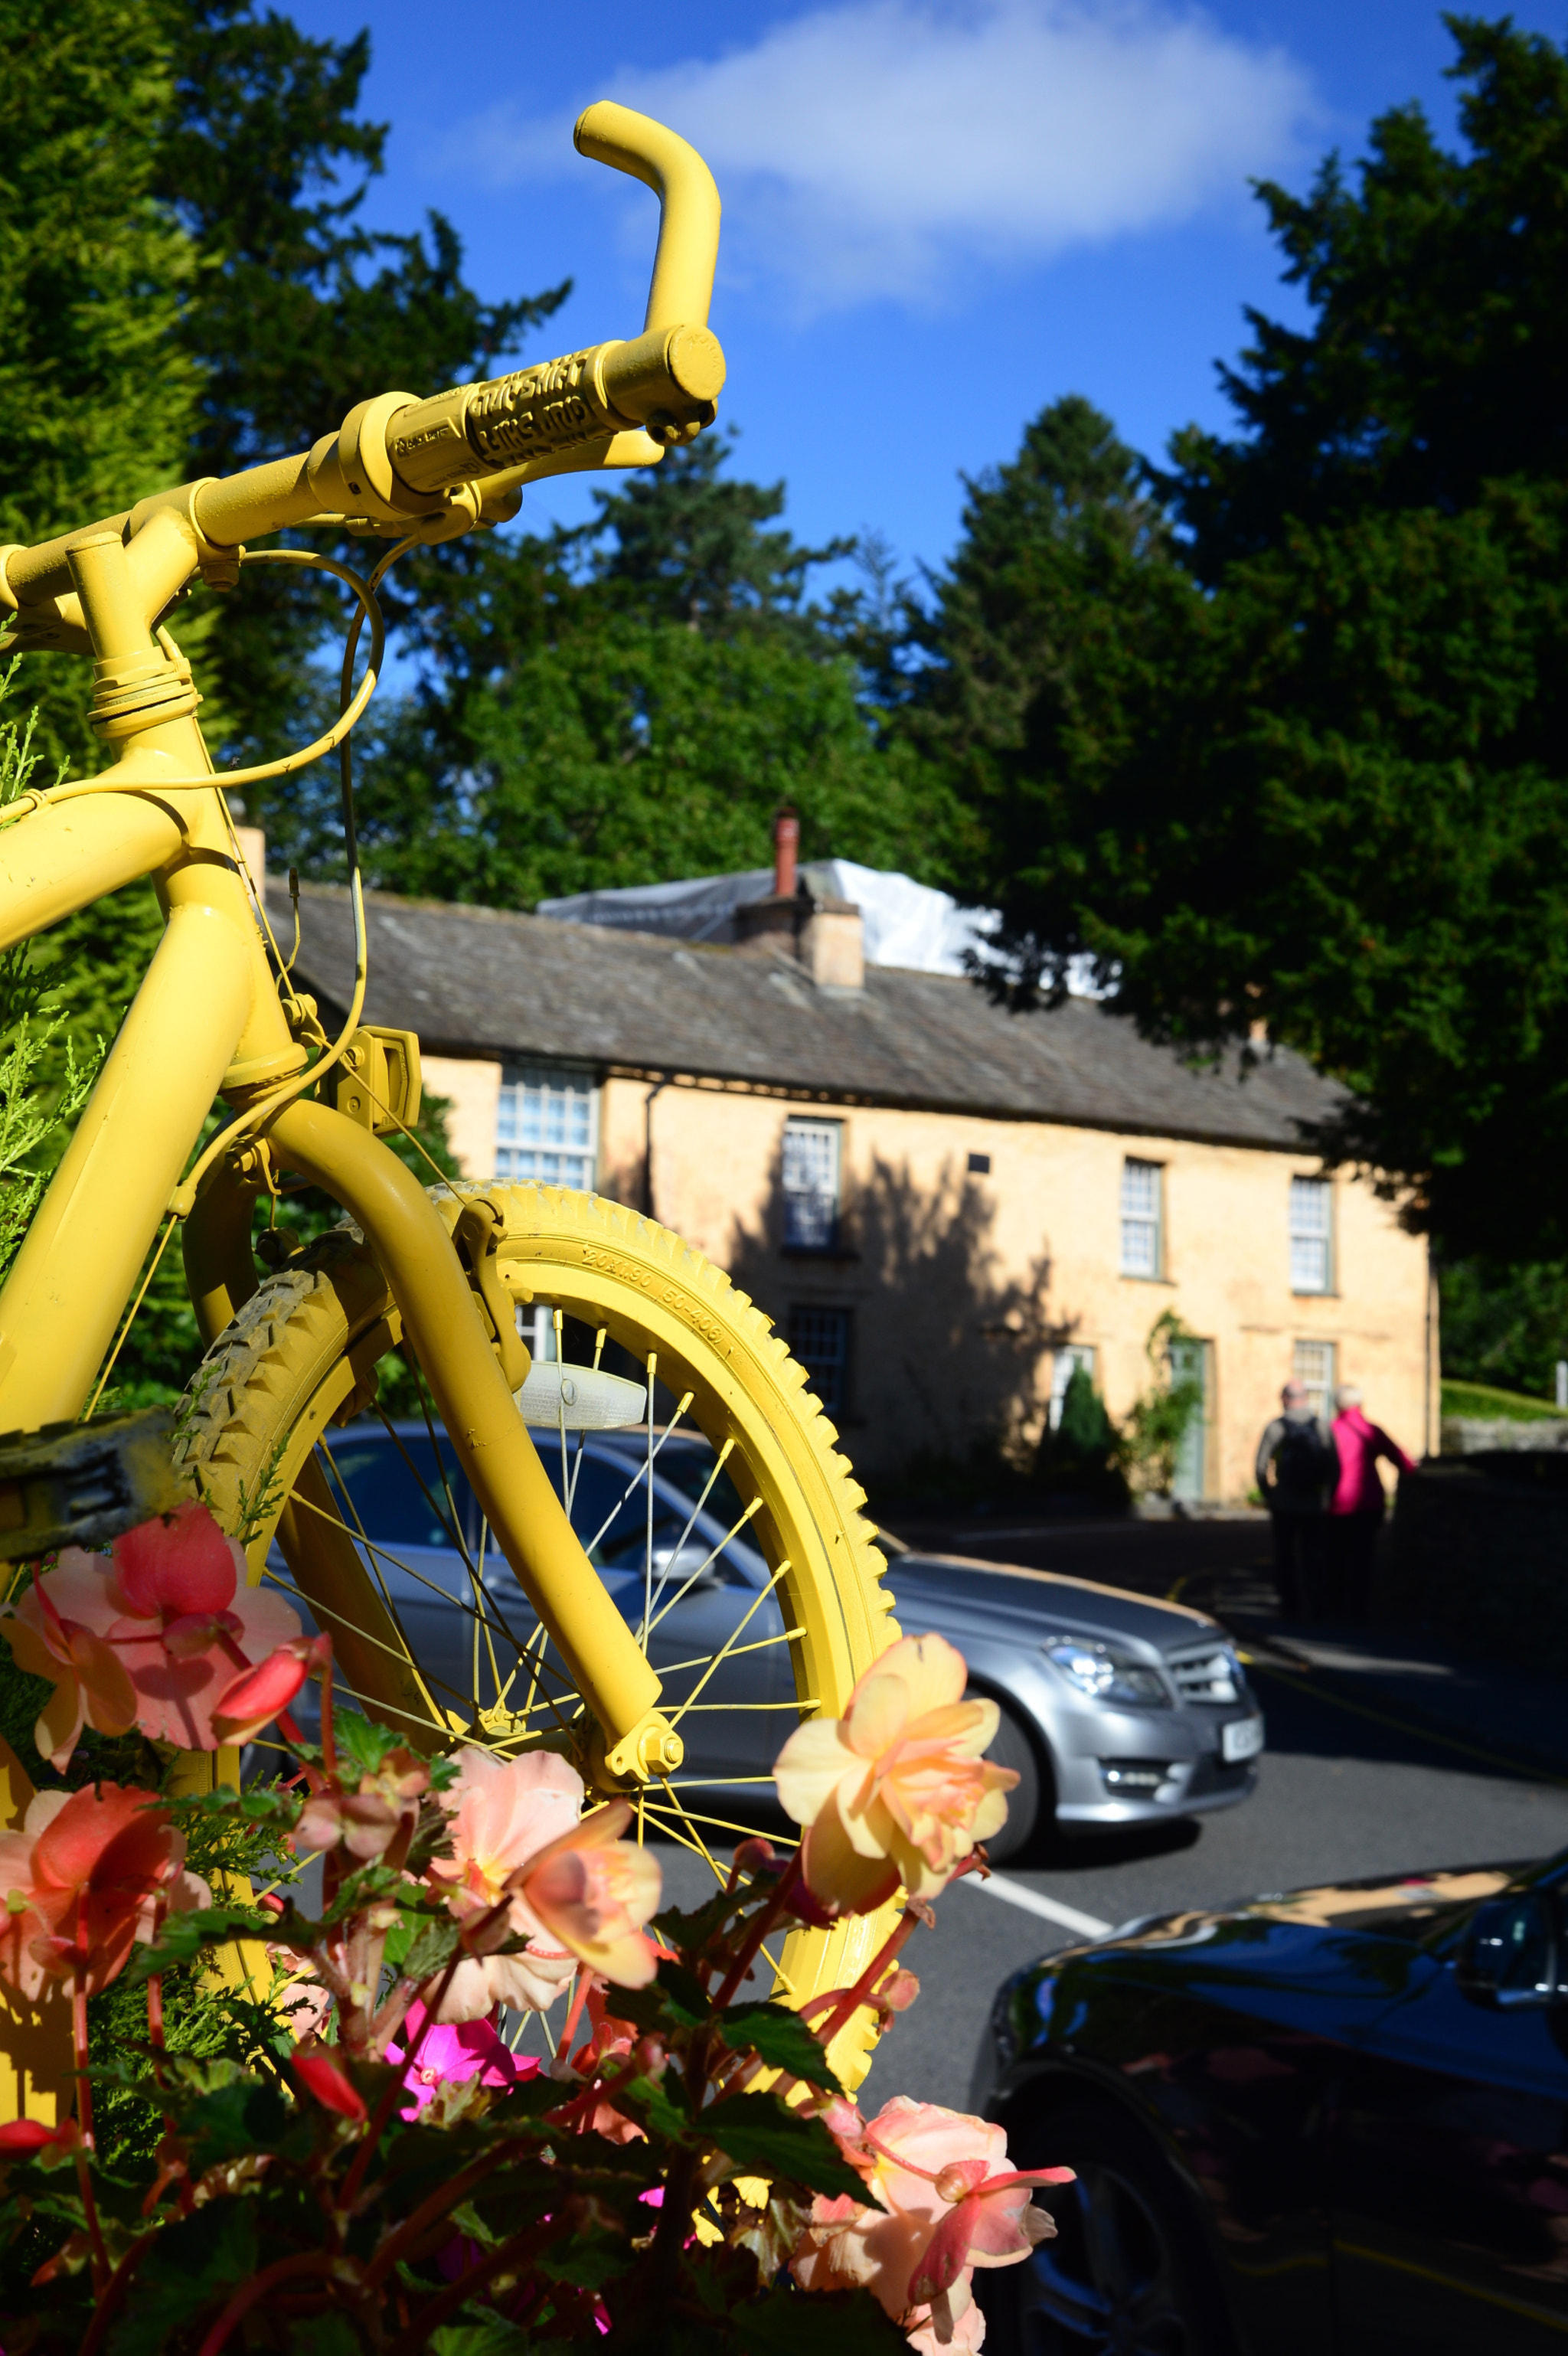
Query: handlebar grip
(667, 382)
(682, 285)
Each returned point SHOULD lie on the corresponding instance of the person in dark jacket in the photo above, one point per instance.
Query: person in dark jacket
(1296, 1467)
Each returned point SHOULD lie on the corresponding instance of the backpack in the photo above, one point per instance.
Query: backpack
(1300, 1459)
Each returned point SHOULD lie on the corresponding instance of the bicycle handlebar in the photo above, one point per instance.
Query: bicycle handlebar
(435, 467)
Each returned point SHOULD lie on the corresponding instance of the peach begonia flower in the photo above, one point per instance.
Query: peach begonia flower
(896, 1790)
(152, 1636)
(83, 1880)
(367, 1820)
(949, 2204)
(503, 1812)
(593, 1891)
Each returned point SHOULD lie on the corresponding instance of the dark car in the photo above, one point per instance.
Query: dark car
(1333, 2122)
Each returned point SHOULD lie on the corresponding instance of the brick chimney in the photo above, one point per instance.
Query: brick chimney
(812, 930)
(786, 851)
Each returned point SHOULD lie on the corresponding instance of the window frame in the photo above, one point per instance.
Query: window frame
(573, 1078)
(1154, 1275)
(1325, 1236)
(800, 1310)
(816, 1124)
(1325, 1412)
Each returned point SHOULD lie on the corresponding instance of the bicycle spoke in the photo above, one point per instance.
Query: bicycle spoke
(723, 1654)
(754, 1507)
(395, 1437)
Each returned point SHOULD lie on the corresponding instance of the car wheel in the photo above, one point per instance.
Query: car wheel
(1124, 2275)
(1014, 1748)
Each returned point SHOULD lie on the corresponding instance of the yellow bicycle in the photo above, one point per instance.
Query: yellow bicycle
(438, 1273)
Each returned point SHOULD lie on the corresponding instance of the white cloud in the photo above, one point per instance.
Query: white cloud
(874, 149)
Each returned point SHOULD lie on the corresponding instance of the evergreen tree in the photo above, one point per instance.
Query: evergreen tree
(297, 311)
(97, 394)
(1306, 767)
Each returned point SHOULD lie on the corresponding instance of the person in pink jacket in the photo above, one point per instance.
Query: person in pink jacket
(1357, 1504)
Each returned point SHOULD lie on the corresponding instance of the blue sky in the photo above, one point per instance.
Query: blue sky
(939, 214)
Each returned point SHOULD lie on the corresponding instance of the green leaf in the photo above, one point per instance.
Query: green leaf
(364, 1742)
(764, 2137)
(433, 1947)
(185, 1936)
(248, 2115)
(497, 2338)
(196, 2261)
(833, 2323)
(323, 2335)
(659, 2103)
(782, 2039)
(675, 2000)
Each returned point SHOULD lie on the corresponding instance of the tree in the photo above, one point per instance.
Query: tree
(624, 703)
(97, 394)
(297, 311)
(1303, 774)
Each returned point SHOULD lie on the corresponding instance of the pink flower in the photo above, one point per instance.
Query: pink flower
(949, 2204)
(450, 2056)
(150, 1637)
(83, 1880)
(503, 1812)
(895, 1792)
(593, 1893)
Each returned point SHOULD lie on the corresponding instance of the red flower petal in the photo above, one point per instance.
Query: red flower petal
(28, 2135)
(181, 1562)
(320, 2071)
(258, 1695)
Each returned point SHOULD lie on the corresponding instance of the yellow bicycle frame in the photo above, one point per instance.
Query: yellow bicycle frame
(207, 1020)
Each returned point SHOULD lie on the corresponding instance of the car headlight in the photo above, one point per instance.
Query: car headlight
(1106, 1673)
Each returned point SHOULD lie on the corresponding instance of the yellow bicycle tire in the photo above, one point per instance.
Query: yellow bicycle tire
(300, 1357)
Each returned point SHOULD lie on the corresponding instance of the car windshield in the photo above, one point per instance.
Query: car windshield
(686, 1465)
(397, 1489)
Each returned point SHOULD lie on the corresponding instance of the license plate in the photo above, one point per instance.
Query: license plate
(1241, 1740)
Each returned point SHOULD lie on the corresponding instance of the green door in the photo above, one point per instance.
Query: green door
(1191, 1362)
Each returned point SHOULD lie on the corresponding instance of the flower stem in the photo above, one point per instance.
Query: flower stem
(102, 2269)
(776, 1906)
(845, 2002)
(307, 2262)
(416, 2339)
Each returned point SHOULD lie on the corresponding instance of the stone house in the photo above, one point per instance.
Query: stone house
(945, 1207)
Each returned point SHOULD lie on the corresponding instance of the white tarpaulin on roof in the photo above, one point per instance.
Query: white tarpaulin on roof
(906, 924)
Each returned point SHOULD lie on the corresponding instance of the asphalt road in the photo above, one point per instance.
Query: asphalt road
(1338, 1796)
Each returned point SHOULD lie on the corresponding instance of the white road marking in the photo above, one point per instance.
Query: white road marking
(1050, 1910)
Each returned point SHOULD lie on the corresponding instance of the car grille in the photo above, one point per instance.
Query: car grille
(1208, 1673)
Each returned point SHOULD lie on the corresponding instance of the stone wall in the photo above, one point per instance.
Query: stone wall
(1478, 1556)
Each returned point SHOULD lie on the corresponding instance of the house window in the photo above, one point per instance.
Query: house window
(1142, 1242)
(1311, 1235)
(1312, 1364)
(1064, 1364)
(545, 1125)
(979, 1165)
(811, 1160)
(819, 1338)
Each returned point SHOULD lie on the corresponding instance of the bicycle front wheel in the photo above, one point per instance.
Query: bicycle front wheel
(730, 1536)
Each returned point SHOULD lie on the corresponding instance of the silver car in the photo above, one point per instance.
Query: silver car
(1117, 1710)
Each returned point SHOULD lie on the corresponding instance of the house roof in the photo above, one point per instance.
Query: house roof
(489, 982)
